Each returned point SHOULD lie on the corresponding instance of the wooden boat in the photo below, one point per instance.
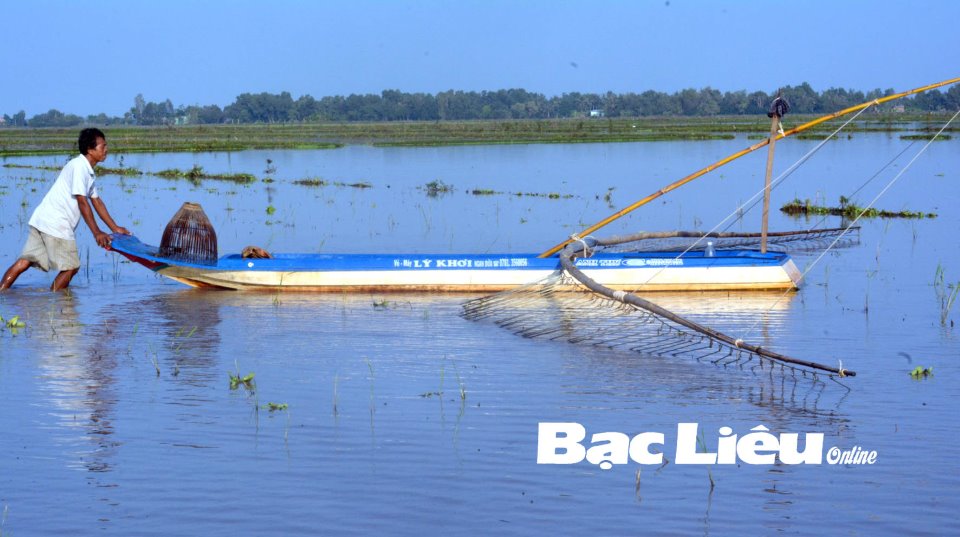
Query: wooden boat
(643, 271)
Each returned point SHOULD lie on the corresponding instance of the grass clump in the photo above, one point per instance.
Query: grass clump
(926, 137)
(124, 172)
(246, 381)
(311, 182)
(847, 210)
(197, 174)
(437, 188)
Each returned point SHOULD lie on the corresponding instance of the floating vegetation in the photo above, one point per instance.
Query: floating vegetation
(271, 209)
(29, 167)
(847, 210)
(246, 381)
(807, 136)
(311, 182)
(383, 303)
(273, 407)
(608, 197)
(548, 195)
(436, 188)
(314, 182)
(13, 323)
(125, 172)
(926, 137)
(196, 174)
(920, 372)
(484, 192)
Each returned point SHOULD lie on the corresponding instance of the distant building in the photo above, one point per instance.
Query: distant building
(596, 112)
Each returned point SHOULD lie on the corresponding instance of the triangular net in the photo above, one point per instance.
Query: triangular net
(569, 306)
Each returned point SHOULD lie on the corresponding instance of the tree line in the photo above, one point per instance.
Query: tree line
(395, 105)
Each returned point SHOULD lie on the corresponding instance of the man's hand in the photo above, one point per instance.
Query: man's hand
(122, 230)
(103, 240)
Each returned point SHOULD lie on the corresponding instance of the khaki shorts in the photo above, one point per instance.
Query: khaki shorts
(46, 251)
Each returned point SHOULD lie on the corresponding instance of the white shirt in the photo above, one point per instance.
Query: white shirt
(58, 214)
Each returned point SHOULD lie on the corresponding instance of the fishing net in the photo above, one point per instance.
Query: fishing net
(794, 241)
(570, 306)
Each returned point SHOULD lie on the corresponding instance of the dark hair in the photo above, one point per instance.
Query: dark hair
(88, 139)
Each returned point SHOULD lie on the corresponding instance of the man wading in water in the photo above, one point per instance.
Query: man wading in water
(52, 240)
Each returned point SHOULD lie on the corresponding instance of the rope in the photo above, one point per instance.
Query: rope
(576, 238)
(755, 197)
(864, 211)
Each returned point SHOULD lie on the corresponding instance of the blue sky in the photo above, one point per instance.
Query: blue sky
(93, 57)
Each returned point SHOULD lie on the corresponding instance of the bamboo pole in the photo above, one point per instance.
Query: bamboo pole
(774, 124)
(739, 154)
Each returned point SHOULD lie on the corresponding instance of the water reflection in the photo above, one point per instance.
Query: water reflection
(78, 380)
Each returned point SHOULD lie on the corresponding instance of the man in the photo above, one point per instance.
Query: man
(52, 240)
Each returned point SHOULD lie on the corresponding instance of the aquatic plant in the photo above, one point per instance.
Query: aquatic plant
(463, 389)
(273, 407)
(196, 174)
(311, 182)
(436, 188)
(123, 172)
(372, 405)
(702, 448)
(336, 395)
(246, 381)
(13, 322)
(608, 197)
(946, 294)
(797, 207)
(383, 303)
(921, 372)
(271, 209)
(179, 338)
(941, 137)
(154, 359)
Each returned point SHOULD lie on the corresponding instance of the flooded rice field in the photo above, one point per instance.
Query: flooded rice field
(129, 407)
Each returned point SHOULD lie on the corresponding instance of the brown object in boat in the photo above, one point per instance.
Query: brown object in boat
(255, 252)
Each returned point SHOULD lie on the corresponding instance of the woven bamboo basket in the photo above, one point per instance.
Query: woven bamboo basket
(190, 236)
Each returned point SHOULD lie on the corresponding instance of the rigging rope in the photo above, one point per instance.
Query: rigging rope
(755, 198)
(864, 211)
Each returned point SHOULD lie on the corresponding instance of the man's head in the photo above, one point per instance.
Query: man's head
(89, 138)
(93, 145)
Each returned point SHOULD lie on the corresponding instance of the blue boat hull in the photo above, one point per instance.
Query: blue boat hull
(647, 271)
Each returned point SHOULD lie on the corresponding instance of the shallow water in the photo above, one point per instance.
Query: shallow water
(118, 414)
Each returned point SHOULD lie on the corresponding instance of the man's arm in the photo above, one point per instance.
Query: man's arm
(101, 209)
(102, 238)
